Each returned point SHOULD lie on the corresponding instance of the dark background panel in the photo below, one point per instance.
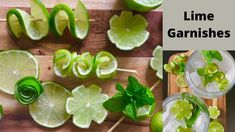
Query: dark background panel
(230, 96)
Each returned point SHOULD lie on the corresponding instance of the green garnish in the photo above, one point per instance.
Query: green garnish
(195, 114)
(177, 66)
(209, 55)
(214, 112)
(129, 100)
(182, 109)
(27, 90)
(183, 129)
(1, 112)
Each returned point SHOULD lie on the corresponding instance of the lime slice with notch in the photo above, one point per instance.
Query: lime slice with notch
(156, 61)
(49, 109)
(214, 112)
(182, 109)
(143, 5)
(15, 65)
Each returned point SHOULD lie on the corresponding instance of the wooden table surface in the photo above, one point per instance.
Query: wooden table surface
(16, 117)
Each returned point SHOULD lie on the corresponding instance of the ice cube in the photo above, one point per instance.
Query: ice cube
(200, 124)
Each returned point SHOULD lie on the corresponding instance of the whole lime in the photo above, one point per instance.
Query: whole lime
(156, 124)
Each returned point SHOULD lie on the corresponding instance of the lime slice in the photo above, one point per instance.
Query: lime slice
(182, 109)
(214, 112)
(223, 85)
(49, 109)
(146, 111)
(14, 65)
(105, 64)
(211, 69)
(183, 129)
(1, 112)
(180, 81)
(127, 31)
(36, 25)
(83, 65)
(62, 62)
(143, 5)
(156, 61)
(219, 76)
(156, 123)
(86, 105)
(215, 127)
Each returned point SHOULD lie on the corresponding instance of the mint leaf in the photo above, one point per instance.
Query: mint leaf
(216, 55)
(131, 111)
(142, 100)
(115, 104)
(208, 55)
(119, 87)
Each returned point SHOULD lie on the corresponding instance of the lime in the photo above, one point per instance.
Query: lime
(62, 61)
(214, 112)
(127, 31)
(83, 65)
(223, 84)
(49, 109)
(219, 76)
(182, 109)
(180, 81)
(105, 65)
(156, 123)
(86, 104)
(183, 129)
(1, 112)
(36, 25)
(143, 5)
(14, 65)
(215, 127)
(157, 60)
(211, 69)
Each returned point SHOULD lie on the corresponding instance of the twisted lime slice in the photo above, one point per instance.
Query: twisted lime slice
(14, 65)
(62, 62)
(157, 60)
(49, 109)
(143, 5)
(27, 90)
(105, 65)
(156, 123)
(77, 21)
(127, 31)
(215, 127)
(1, 112)
(183, 129)
(182, 109)
(214, 112)
(36, 25)
(86, 104)
(83, 65)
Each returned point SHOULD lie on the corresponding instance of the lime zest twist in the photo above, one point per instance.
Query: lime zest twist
(128, 31)
(27, 90)
(214, 112)
(182, 109)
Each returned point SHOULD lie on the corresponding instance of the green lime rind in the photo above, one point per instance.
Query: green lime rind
(156, 124)
(128, 31)
(182, 109)
(1, 112)
(143, 5)
(105, 65)
(83, 65)
(82, 24)
(65, 17)
(215, 126)
(214, 112)
(27, 90)
(49, 109)
(86, 104)
(156, 61)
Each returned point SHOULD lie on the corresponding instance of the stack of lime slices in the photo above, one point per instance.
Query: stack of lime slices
(127, 31)
(143, 5)
(157, 60)
(36, 25)
(15, 65)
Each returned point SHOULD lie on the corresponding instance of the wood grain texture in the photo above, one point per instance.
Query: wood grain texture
(173, 88)
(17, 116)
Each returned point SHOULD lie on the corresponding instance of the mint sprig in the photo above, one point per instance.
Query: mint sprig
(130, 99)
(209, 55)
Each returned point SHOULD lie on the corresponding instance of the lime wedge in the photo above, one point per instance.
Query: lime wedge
(183, 129)
(156, 123)
(156, 61)
(180, 81)
(143, 5)
(49, 109)
(86, 104)
(14, 65)
(127, 31)
(105, 64)
(215, 127)
(214, 112)
(83, 65)
(62, 62)
(36, 25)
(182, 109)
(1, 112)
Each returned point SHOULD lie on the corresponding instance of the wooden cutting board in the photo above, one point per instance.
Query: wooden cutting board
(16, 117)
(219, 102)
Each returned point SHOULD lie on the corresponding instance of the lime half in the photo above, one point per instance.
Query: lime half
(15, 65)
(182, 109)
(143, 5)
(127, 31)
(86, 104)
(156, 123)
(156, 61)
(214, 112)
(49, 109)
(215, 127)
